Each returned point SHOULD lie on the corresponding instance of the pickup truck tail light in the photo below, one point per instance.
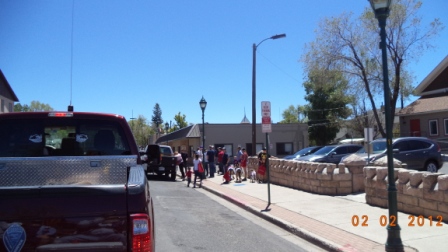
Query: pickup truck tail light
(141, 233)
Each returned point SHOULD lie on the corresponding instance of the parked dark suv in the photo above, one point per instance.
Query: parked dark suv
(331, 153)
(419, 153)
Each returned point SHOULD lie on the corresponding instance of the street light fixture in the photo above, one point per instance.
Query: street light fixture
(167, 127)
(393, 243)
(203, 104)
(254, 117)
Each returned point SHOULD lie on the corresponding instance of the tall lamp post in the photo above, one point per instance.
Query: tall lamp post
(393, 243)
(254, 61)
(203, 104)
(167, 127)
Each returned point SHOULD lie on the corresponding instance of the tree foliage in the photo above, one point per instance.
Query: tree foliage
(180, 122)
(141, 130)
(35, 106)
(290, 115)
(327, 108)
(157, 116)
(351, 45)
(19, 108)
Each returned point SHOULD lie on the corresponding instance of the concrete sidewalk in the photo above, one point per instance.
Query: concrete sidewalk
(327, 220)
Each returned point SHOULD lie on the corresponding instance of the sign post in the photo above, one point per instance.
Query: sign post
(368, 137)
(266, 128)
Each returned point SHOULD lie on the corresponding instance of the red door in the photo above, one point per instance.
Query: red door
(415, 127)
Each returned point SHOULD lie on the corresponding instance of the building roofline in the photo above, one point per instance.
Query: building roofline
(431, 76)
(3, 78)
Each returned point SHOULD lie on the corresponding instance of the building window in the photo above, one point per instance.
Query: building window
(258, 148)
(445, 122)
(284, 148)
(2, 109)
(229, 148)
(10, 108)
(433, 129)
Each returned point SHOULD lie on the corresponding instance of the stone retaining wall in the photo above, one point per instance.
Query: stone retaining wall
(320, 178)
(419, 193)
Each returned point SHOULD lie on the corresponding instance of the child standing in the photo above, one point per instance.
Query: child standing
(197, 174)
(253, 176)
(189, 172)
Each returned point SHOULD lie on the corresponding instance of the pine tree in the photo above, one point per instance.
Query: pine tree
(157, 116)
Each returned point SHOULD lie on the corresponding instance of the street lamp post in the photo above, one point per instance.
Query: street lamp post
(393, 243)
(203, 104)
(167, 127)
(254, 117)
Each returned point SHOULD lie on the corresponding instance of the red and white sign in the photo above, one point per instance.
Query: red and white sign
(265, 109)
(266, 117)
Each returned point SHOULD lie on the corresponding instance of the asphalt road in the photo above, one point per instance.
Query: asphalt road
(188, 219)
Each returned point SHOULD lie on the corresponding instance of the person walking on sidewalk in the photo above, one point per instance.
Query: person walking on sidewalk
(225, 159)
(189, 172)
(220, 166)
(197, 174)
(244, 164)
(183, 166)
(239, 154)
(211, 161)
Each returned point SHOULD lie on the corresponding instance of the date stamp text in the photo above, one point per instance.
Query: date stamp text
(413, 221)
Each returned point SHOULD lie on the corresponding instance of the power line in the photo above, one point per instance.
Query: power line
(283, 71)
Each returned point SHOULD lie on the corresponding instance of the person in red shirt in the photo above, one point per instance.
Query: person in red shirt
(189, 172)
(226, 177)
(220, 164)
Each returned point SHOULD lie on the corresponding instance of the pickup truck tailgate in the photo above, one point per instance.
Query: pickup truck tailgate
(64, 203)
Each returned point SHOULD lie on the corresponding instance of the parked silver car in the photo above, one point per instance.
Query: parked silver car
(331, 153)
(303, 152)
(419, 153)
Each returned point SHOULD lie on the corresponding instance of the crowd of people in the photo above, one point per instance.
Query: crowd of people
(217, 162)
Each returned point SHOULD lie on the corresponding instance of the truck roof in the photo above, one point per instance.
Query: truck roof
(59, 113)
(61, 133)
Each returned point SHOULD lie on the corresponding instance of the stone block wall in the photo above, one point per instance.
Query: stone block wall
(320, 178)
(418, 193)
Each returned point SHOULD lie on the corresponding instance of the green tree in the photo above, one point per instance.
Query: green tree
(301, 114)
(35, 106)
(351, 45)
(38, 106)
(290, 115)
(141, 130)
(327, 108)
(180, 122)
(19, 108)
(157, 116)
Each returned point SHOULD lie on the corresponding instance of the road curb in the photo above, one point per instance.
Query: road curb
(302, 233)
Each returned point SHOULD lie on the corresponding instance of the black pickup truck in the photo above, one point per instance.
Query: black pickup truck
(160, 160)
(72, 181)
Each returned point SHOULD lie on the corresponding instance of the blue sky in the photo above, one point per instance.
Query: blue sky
(130, 55)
